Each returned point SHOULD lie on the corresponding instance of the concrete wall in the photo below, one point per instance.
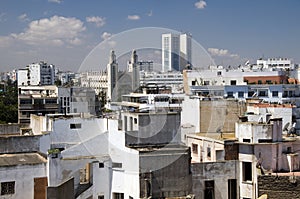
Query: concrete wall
(23, 175)
(253, 131)
(8, 129)
(65, 136)
(165, 172)
(190, 116)
(279, 186)
(219, 172)
(155, 128)
(203, 143)
(220, 114)
(256, 132)
(19, 144)
(62, 191)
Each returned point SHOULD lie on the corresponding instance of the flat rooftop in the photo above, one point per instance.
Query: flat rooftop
(215, 136)
(7, 160)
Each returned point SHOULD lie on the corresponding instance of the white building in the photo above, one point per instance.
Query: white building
(77, 100)
(38, 100)
(275, 64)
(167, 79)
(37, 74)
(22, 175)
(170, 52)
(99, 163)
(176, 51)
(66, 77)
(94, 79)
(185, 50)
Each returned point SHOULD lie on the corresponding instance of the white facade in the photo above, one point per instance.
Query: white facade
(169, 79)
(170, 52)
(37, 74)
(111, 172)
(77, 100)
(176, 51)
(185, 50)
(21, 169)
(94, 79)
(275, 63)
(190, 116)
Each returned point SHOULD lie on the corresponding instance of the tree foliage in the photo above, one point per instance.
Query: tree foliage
(8, 102)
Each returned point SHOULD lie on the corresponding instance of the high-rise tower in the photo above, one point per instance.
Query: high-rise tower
(185, 50)
(176, 51)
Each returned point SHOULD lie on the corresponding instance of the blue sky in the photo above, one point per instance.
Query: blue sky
(63, 32)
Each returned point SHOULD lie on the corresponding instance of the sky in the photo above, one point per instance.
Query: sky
(65, 32)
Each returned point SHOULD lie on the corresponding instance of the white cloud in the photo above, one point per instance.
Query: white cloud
(200, 4)
(106, 35)
(221, 53)
(133, 17)
(55, 1)
(55, 31)
(23, 17)
(99, 21)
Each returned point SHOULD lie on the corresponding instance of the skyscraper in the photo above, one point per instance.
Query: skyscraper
(185, 50)
(176, 51)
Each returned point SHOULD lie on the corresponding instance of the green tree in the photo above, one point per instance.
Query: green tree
(8, 102)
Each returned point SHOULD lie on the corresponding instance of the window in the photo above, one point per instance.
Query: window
(268, 81)
(25, 101)
(101, 165)
(240, 94)
(135, 120)
(208, 152)
(247, 171)
(195, 148)
(101, 197)
(232, 190)
(274, 93)
(116, 165)
(262, 93)
(233, 82)
(219, 73)
(230, 94)
(246, 140)
(130, 197)
(7, 188)
(251, 94)
(259, 82)
(209, 191)
(118, 195)
(75, 126)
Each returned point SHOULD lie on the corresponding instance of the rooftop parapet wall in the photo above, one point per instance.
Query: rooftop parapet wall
(19, 144)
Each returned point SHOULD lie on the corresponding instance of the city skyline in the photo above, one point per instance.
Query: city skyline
(63, 32)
